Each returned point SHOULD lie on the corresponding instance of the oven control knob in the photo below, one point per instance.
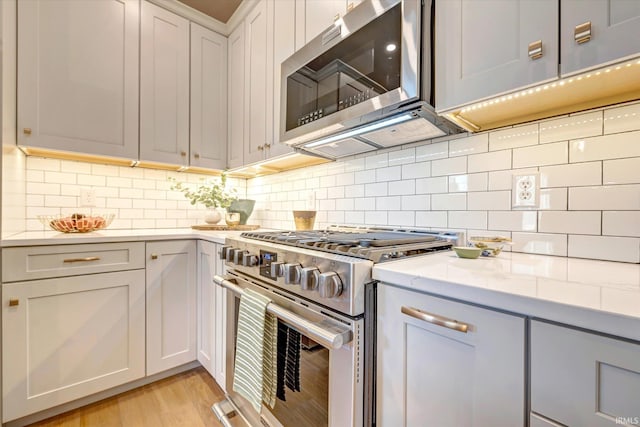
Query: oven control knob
(229, 253)
(249, 260)
(277, 269)
(238, 255)
(223, 252)
(292, 273)
(309, 278)
(330, 285)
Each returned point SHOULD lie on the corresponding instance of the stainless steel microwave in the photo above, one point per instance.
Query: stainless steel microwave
(365, 83)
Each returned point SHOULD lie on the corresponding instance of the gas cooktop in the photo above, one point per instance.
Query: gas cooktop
(375, 244)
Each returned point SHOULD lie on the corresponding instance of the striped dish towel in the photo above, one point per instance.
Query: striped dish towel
(255, 351)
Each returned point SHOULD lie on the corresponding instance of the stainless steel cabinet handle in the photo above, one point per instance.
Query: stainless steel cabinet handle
(89, 258)
(535, 49)
(582, 32)
(435, 319)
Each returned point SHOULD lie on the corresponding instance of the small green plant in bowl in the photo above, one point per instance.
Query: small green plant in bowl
(210, 194)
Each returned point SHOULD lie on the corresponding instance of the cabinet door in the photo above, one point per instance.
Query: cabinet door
(257, 86)
(482, 47)
(583, 379)
(171, 304)
(283, 18)
(208, 98)
(164, 86)
(70, 337)
(206, 297)
(78, 76)
(429, 375)
(236, 79)
(320, 15)
(615, 31)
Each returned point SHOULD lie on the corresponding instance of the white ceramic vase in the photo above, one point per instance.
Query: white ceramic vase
(212, 216)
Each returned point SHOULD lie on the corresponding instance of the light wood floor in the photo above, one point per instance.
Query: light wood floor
(182, 400)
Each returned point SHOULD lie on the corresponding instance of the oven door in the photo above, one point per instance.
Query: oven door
(331, 390)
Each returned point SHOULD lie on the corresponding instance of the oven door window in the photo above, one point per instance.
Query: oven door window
(362, 66)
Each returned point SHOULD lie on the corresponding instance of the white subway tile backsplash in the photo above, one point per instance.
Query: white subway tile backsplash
(519, 136)
(402, 218)
(467, 219)
(622, 171)
(335, 193)
(325, 181)
(354, 217)
(541, 155)
(608, 197)
(392, 173)
(416, 203)
(431, 185)
(354, 191)
(571, 175)
(450, 166)
(376, 161)
(469, 182)
(364, 177)
(131, 193)
(39, 163)
(344, 204)
(438, 150)
(622, 119)
(540, 243)
(503, 180)
(375, 218)
(60, 177)
(388, 203)
(449, 202)
(402, 187)
(621, 223)
(335, 217)
(354, 165)
(416, 170)
(571, 127)
(553, 199)
(513, 220)
(61, 201)
(402, 157)
(570, 222)
(42, 188)
(471, 145)
(377, 189)
(347, 178)
(489, 200)
(34, 176)
(614, 146)
(491, 161)
(365, 204)
(431, 219)
(623, 249)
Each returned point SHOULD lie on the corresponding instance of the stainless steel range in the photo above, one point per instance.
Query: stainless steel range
(320, 285)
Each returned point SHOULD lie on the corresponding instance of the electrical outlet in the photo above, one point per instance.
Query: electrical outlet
(526, 191)
(87, 197)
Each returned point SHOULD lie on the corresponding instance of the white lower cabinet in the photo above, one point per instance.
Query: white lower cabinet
(211, 312)
(580, 378)
(69, 337)
(431, 375)
(171, 304)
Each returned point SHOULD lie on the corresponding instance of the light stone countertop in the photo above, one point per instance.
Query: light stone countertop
(598, 295)
(37, 238)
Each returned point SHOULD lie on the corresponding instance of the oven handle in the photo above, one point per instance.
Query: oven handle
(329, 339)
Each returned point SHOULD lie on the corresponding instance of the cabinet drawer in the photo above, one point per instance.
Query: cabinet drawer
(39, 262)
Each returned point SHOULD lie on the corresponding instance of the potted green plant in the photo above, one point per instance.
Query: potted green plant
(211, 194)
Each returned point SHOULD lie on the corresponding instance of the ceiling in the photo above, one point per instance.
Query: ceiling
(217, 9)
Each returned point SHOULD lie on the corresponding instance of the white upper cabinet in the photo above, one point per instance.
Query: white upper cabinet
(208, 140)
(284, 17)
(164, 86)
(595, 32)
(235, 148)
(78, 76)
(257, 84)
(487, 47)
(320, 14)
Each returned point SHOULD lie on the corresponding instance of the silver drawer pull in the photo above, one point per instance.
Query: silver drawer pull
(535, 49)
(582, 32)
(89, 258)
(435, 319)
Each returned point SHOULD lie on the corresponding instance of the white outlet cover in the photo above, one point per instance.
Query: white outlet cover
(525, 191)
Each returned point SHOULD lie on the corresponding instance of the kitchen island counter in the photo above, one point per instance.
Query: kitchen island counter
(597, 295)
